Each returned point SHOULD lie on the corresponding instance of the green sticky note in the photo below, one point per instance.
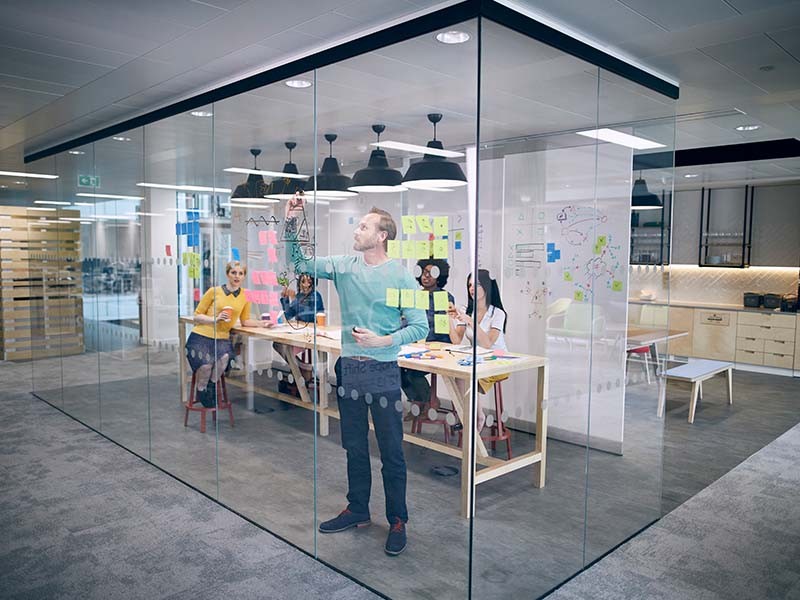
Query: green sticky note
(598, 249)
(440, 301)
(196, 259)
(616, 285)
(408, 249)
(392, 297)
(407, 298)
(409, 224)
(602, 240)
(578, 296)
(459, 235)
(423, 249)
(440, 249)
(423, 299)
(567, 276)
(185, 258)
(194, 272)
(424, 223)
(393, 248)
(441, 324)
(440, 225)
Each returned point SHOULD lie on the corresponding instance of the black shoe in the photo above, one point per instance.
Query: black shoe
(396, 541)
(208, 396)
(345, 520)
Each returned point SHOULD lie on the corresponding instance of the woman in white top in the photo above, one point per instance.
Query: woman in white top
(485, 305)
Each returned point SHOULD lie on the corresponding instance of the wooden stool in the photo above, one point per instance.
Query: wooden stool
(498, 431)
(422, 418)
(695, 372)
(222, 404)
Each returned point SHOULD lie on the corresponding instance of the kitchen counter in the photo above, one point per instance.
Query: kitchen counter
(717, 306)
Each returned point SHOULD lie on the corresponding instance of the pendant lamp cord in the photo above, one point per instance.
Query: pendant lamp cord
(434, 132)
(330, 148)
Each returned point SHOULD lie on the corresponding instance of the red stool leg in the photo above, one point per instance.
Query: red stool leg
(202, 421)
(191, 399)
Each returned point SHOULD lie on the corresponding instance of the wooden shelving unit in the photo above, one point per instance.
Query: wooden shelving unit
(41, 297)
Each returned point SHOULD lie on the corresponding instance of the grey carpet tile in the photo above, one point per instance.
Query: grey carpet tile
(737, 538)
(82, 518)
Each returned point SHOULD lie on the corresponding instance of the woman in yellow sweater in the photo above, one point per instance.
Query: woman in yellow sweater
(209, 348)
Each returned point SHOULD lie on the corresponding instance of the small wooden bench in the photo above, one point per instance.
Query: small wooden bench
(696, 372)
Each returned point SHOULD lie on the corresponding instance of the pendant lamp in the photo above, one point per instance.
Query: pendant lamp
(434, 172)
(330, 182)
(378, 176)
(255, 188)
(642, 198)
(283, 188)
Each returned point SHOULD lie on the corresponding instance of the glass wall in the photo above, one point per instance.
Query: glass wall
(280, 292)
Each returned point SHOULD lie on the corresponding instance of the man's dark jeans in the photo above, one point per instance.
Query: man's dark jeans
(364, 386)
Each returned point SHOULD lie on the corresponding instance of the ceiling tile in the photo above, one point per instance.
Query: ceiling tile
(681, 14)
(368, 11)
(16, 103)
(789, 39)
(70, 50)
(30, 65)
(329, 24)
(182, 12)
(746, 6)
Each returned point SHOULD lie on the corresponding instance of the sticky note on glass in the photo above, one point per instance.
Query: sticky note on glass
(441, 324)
(408, 249)
(440, 301)
(616, 285)
(423, 299)
(196, 294)
(567, 276)
(578, 296)
(272, 255)
(459, 235)
(262, 238)
(168, 250)
(597, 249)
(195, 259)
(423, 249)
(272, 237)
(185, 258)
(407, 298)
(440, 225)
(424, 223)
(235, 254)
(440, 249)
(392, 297)
(269, 277)
(602, 240)
(409, 224)
(393, 248)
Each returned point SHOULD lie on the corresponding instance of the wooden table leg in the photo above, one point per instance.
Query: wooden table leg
(467, 468)
(322, 393)
(541, 425)
(730, 386)
(184, 397)
(693, 405)
(298, 376)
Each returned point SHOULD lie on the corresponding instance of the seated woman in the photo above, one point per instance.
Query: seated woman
(485, 306)
(209, 349)
(303, 306)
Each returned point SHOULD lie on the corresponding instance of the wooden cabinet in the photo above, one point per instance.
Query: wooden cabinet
(714, 334)
(681, 319)
(766, 339)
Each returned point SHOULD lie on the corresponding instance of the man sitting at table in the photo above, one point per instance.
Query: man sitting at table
(367, 373)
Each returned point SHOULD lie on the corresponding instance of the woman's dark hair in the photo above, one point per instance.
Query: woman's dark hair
(444, 270)
(490, 290)
(313, 282)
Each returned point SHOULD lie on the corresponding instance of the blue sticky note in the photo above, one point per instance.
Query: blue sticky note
(178, 229)
(196, 228)
(551, 246)
(235, 253)
(458, 246)
(194, 215)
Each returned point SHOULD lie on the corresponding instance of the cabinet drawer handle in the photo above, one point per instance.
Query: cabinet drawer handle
(749, 351)
(766, 326)
(751, 339)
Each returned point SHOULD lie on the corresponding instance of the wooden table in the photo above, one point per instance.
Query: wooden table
(639, 336)
(327, 343)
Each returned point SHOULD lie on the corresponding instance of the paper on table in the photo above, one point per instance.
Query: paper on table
(467, 349)
(411, 349)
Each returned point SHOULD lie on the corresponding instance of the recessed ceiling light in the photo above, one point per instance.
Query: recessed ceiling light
(3, 187)
(417, 149)
(691, 175)
(452, 37)
(184, 188)
(201, 113)
(20, 182)
(58, 202)
(748, 127)
(42, 208)
(121, 138)
(144, 214)
(298, 84)
(622, 139)
(82, 204)
(267, 173)
(109, 196)
(31, 175)
(76, 152)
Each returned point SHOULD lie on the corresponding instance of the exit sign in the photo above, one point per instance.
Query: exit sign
(88, 181)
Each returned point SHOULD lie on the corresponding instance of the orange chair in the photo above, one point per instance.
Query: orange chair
(192, 404)
(422, 418)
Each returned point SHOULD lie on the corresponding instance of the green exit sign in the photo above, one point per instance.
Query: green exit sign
(88, 181)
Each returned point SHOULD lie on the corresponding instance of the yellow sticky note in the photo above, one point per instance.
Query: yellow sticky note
(408, 249)
(393, 248)
(423, 299)
(195, 259)
(423, 249)
(441, 324)
(567, 276)
(459, 235)
(616, 285)
(602, 240)
(440, 249)
(407, 298)
(409, 224)
(185, 258)
(440, 225)
(440, 301)
(424, 223)
(598, 249)
(578, 296)
(392, 297)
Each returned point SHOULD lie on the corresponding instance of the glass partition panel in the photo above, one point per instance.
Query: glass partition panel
(537, 232)
(392, 261)
(178, 187)
(266, 463)
(626, 427)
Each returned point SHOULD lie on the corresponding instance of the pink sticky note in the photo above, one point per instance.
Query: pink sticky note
(269, 278)
(254, 277)
(168, 250)
(272, 237)
(248, 295)
(196, 294)
(272, 255)
(274, 298)
(262, 237)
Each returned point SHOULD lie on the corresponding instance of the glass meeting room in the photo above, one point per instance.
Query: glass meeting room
(404, 275)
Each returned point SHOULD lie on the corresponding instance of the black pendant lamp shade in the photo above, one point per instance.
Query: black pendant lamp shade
(378, 176)
(255, 187)
(284, 188)
(434, 172)
(330, 182)
(642, 198)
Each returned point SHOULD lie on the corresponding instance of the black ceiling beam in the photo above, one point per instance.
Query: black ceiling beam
(713, 155)
(440, 19)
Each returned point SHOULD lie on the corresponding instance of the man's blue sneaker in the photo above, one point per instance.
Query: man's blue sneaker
(345, 520)
(396, 542)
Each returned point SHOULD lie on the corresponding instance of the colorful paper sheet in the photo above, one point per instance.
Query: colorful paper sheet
(392, 297)
(440, 249)
(440, 225)
(235, 254)
(578, 296)
(440, 301)
(272, 255)
(407, 298)
(408, 249)
(393, 248)
(424, 224)
(567, 276)
(269, 278)
(423, 299)
(168, 250)
(262, 238)
(616, 285)
(409, 224)
(272, 237)
(422, 249)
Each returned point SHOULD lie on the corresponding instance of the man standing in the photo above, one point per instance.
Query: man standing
(367, 374)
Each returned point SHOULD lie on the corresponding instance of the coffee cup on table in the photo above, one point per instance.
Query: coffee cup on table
(320, 319)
